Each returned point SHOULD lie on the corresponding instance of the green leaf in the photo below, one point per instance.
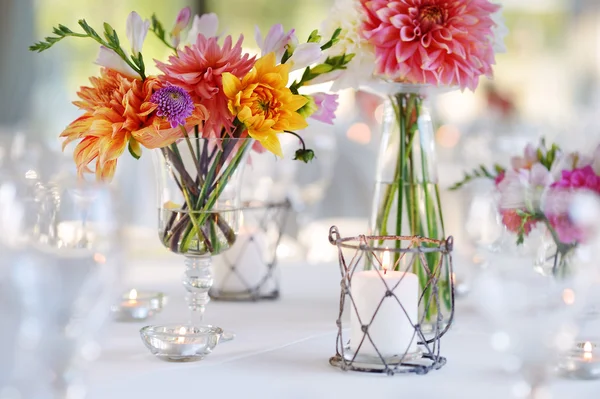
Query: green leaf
(287, 54)
(520, 238)
(89, 30)
(475, 174)
(320, 69)
(314, 37)
(61, 32)
(334, 39)
(336, 33)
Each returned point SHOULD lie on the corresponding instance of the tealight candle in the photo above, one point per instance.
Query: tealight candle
(181, 343)
(137, 306)
(390, 330)
(583, 362)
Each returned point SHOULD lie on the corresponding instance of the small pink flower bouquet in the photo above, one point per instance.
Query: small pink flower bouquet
(539, 188)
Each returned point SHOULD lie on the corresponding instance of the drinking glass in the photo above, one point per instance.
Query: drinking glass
(61, 256)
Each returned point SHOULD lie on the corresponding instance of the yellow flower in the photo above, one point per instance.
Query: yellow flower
(263, 102)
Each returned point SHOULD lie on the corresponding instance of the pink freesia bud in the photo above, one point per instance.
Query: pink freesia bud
(182, 21)
(326, 106)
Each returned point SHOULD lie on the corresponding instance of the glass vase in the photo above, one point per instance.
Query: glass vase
(407, 198)
(199, 207)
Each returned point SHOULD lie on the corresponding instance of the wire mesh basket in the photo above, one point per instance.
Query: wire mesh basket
(248, 271)
(389, 286)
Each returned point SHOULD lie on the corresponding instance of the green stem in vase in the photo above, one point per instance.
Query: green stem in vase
(204, 208)
(401, 119)
(423, 211)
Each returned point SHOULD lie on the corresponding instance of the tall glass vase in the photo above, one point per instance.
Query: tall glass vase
(407, 200)
(199, 207)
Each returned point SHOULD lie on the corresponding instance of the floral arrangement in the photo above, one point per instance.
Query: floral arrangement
(401, 50)
(538, 189)
(208, 88)
(435, 42)
(418, 43)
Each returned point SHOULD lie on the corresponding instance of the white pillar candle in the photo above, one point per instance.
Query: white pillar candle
(249, 259)
(391, 329)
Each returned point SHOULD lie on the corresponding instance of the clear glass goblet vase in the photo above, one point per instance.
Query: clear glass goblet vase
(199, 207)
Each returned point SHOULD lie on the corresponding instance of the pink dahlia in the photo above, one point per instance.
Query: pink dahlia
(198, 69)
(439, 42)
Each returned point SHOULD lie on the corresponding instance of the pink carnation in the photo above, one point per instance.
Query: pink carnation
(499, 178)
(437, 42)
(512, 221)
(198, 69)
(579, 178)
(559, 200)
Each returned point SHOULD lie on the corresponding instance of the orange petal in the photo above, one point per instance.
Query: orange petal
(150, 137)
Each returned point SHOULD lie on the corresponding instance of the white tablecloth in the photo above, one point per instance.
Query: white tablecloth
(283, 347)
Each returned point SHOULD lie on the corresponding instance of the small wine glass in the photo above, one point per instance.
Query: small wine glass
(533, 317)
(62, 255)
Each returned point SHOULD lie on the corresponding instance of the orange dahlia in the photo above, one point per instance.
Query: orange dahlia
(118, 112)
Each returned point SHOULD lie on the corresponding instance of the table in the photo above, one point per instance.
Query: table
(283, 347)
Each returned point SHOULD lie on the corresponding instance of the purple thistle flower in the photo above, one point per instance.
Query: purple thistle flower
(174, 103)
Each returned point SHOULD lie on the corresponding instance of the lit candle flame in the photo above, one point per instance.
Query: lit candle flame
(587, 351)
(568, 296)
(182, 332)
(133, 295)
(386, 261)
(99, 258)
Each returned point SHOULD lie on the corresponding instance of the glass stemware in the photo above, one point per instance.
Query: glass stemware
(199, 207)
(533, 317)
(62, 255)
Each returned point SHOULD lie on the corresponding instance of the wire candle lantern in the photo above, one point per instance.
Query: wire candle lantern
(248, 272)
(385, 305)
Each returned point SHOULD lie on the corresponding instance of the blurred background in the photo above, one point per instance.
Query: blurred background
(546, 85)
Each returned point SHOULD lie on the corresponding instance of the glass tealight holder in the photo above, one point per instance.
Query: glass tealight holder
(181, 343)
(582, 363)
(138, 305)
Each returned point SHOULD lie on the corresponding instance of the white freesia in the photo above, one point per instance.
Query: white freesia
(500, 31)
(109, 59)
(346, 14)
(275, 41)
(304, 55)
(205, 24)
(523, 188)
(136, 30)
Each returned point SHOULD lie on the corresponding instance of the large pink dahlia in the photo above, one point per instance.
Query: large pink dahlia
(198, 69)
(439, 42)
